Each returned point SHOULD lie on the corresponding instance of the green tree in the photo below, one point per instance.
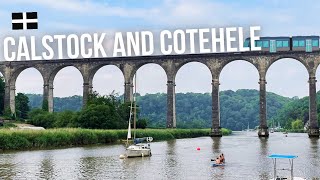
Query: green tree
(98, 117)
(142, 123)
(39, 117)
(193, 110)
(22, 107)
(65, 119)
(297, 124)
(103, 112)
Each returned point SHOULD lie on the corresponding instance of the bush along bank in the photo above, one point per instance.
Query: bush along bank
(68, 137)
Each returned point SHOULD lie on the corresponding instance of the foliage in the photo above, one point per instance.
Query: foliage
(297, 124)
(72, 103)
(7, 125)
(65, 119)
(22, 106)
(103, 112)
(226, 131)
(142, 123)
(39, 117)
(8, 114)
(31, 139)
(193, 110)
(297, 109)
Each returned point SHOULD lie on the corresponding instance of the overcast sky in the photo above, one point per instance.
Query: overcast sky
(286, 77)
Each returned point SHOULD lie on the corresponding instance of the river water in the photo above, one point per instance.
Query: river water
(245, 153)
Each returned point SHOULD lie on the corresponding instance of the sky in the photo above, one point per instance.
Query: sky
(286, 77)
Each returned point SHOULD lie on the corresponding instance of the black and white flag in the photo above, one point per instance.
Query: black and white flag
(24, 20)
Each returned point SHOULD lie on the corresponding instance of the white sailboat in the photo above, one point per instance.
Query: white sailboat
(141, 146)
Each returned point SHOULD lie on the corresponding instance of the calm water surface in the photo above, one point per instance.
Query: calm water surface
(245, 157)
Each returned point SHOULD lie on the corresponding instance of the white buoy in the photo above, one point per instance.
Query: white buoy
(122, 156)
(142, 154)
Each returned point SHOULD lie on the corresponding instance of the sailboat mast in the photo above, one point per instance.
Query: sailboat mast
(135, 106)
(129, 126)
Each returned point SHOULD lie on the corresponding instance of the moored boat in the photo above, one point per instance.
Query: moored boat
(141, 146)
(139, 149)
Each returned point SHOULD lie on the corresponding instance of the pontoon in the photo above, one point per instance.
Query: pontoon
(274, 158)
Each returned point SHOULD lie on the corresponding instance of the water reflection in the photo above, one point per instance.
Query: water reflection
(313, 155)
(46, 168)
(263, 161)
(7, 167)
(171, 160)
(216, 141)
(264, 146)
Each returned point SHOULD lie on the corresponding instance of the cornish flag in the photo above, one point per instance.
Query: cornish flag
(24, 20)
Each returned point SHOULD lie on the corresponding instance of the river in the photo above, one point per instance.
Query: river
(245, 153)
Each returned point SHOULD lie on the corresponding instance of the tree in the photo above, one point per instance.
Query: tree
(99, 117)
(39, 117)
(65, 119)
(103, 112)
(297, 124)
(142, 123)
(22, 107)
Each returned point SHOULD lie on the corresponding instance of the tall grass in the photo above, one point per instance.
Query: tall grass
(65, 137)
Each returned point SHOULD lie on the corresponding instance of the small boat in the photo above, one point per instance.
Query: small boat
(140, 146)
(217, 165)
(274, 158)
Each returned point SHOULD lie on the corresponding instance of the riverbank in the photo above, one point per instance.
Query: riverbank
(69, 137)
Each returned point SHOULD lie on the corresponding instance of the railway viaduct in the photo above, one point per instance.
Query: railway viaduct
(171, 64)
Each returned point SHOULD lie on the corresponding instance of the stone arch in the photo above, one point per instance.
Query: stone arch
(299, 59)
(278, 82)
(185, 82)
(238, 77)
(21, 75)
(94, 71)
(148, 66)
(138, 66)
(225, 63)
(18, 71)
(12, 84)
(248, 63)
(180, 65)
(192, 62)
(275, 77)
(55, 71)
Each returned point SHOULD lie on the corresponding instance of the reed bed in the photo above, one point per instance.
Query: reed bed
(67, 137)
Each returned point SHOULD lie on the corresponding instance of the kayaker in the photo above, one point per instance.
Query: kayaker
(222, 158)
(218, 161)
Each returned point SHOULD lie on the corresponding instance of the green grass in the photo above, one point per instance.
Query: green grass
(66, 137)
(7, 126)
